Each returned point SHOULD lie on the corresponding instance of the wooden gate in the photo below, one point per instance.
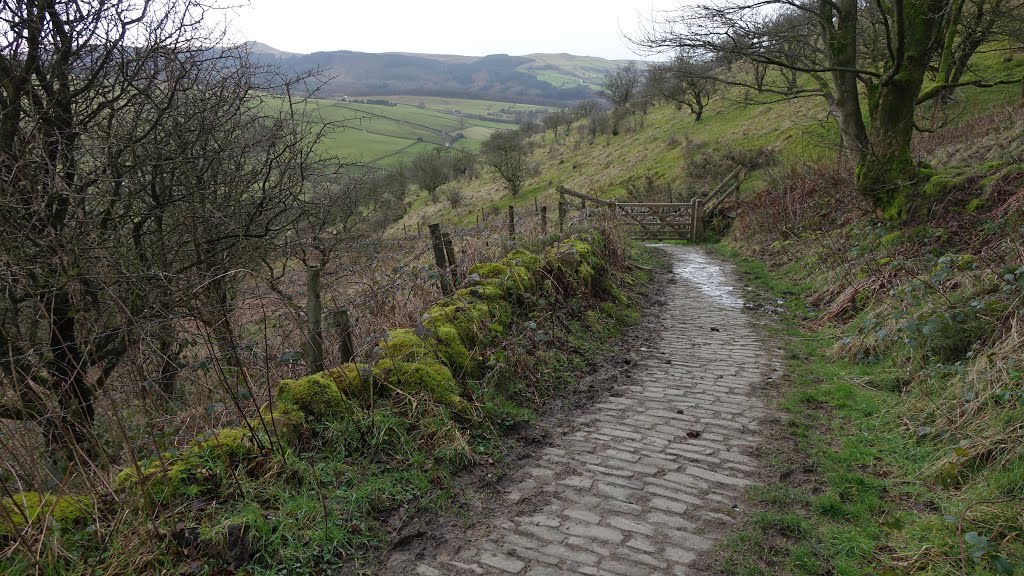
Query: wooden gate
(657, 221)
(664, 220)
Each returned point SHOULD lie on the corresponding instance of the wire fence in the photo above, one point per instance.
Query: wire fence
(184, 374)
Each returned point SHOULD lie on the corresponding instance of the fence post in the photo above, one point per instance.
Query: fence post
(437, 243)
(561, 216)
(535, 207)
(693, 218)
(314, 321)
(419, 230)
(449, 254)
(342, 323)
(544, 220)
(511, 221)
(696, 218)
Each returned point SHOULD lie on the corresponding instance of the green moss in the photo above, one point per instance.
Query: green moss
(224, 444)
(506, 279)
(891, 239)
(586, 273)
(317, 396)
(974, 205)
(489, 270)
(939, 185)
(524, 259)
(429, 378)
(453, 351)
(576, 262)
(487, 290)
(26, 508)
(352, 381)
(405, 345)
(198, 470)
(467, 315)
(286, 422)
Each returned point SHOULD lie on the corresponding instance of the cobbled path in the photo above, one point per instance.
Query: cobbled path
(649, 478)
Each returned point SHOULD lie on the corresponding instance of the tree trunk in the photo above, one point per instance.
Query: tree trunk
(845, 102)
(886, 175)
(74, 395)
(169, 354)
(889, 169)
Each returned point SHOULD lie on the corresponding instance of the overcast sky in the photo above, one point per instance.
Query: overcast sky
(474, 28)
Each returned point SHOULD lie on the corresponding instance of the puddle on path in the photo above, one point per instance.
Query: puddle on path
(702, 271)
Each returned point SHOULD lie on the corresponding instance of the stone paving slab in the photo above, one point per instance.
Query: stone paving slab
(649, 478)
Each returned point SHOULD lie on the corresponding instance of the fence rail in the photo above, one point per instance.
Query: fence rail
(665, 220)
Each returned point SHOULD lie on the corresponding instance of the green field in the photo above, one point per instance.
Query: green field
(374, 133)
(565, 70)
(497, 110)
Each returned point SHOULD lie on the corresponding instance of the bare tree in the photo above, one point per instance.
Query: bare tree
(432, 169)
(508, 153)
(553, 121)
(142, 170)
(842, 47)
(622, 88)
(587, 108)
(623, 85)
(342, 212)
(686, 81)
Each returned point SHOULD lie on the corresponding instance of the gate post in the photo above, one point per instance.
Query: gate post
(698, 219)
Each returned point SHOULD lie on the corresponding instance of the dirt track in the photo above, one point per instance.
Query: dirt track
(646, 480)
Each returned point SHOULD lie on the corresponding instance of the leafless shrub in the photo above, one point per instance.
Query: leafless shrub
(795, 202)
(710, 167)
(455, 197)
(647, 189)
(995, 136)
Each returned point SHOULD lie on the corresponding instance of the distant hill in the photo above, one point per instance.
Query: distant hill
(545, 79)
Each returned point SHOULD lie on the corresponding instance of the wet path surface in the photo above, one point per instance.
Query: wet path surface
(649, 478)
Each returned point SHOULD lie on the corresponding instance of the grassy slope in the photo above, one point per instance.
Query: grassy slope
(899, 450)
(798, 132)
(669, 137)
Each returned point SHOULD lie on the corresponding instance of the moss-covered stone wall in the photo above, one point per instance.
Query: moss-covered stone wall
(434, 361)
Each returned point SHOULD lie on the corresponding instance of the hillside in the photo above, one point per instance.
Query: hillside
(544, 79)
(667, 146)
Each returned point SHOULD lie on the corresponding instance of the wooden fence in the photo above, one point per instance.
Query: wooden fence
(665, 220)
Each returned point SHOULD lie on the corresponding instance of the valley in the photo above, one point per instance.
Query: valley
(406, 125)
